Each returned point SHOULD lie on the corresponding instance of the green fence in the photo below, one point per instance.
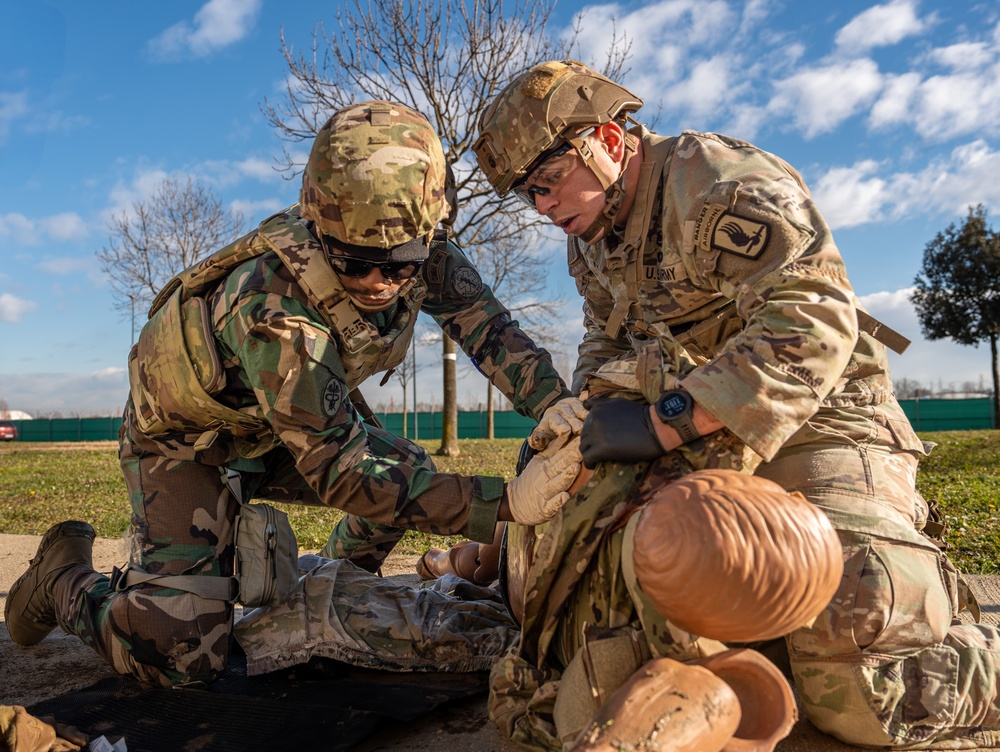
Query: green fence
(471, 425)
(68, 429)
(949, 414)
(924, 415)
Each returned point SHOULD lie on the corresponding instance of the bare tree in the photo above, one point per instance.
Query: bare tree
(180, 223)
(448, 59)
(406, 374)
(517, 270)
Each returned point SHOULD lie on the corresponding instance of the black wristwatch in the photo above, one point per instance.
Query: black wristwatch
(676, 408)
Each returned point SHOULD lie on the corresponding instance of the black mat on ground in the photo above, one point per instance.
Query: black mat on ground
(323, 705)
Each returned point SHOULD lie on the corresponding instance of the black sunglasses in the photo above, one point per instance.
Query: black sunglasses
(349, 266)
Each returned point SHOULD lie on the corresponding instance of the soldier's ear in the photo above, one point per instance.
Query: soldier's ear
(612, 137)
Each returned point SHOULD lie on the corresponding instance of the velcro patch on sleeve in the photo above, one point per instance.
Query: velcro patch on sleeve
(435, 266)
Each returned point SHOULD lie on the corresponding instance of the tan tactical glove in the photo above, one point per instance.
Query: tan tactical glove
(22, 732)
(564, 418)
(540, 491)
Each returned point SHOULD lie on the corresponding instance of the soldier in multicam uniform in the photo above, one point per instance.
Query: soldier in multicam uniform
(708, 273)
(246, 370)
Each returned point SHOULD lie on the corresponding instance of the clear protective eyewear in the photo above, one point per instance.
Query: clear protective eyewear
(526, 192)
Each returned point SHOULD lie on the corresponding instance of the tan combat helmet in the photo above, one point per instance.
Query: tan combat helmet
(376, 180)
(548, 106)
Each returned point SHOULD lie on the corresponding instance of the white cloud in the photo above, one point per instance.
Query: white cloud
(660, 34)
(140, 188)
(65, 226)
(708, 86)
(854, 195)
(66, 265)
(26, 231)
(226, 173)
(253, 211)
(97, 393)
(850, 196)
(962, 100)
(13, 105)
(756, 10)
(965, 176)
(964, 55)
(217, 24)
(259, 169)
(946, 107)
(880, 26)
(13, 308)
(893, 105)
(922, 361)
(18, 227)
(820, 98)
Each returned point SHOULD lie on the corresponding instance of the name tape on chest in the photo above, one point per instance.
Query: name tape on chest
(657, 273)
(718, 229)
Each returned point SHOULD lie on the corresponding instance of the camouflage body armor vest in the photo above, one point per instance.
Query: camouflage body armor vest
(175, 368)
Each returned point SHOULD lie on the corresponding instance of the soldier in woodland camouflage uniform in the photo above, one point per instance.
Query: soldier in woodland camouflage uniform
(246, 369)
(707, 257)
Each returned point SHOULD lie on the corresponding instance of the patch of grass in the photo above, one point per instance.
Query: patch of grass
(41, 484)
(962, 475)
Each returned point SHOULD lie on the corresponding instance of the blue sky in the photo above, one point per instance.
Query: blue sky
(890, 111)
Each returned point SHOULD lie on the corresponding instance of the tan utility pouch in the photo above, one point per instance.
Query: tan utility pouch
(267, 555)
(174, 369)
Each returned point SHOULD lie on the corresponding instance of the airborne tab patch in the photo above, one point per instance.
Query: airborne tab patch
(739, 235)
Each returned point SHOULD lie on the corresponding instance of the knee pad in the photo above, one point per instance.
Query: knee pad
(735, 558)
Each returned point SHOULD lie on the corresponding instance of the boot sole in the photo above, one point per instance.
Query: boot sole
(35, 632)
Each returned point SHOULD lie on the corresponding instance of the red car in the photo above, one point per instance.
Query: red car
(8, 431)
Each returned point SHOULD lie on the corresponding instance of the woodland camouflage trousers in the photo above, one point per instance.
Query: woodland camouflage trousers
(182, 523)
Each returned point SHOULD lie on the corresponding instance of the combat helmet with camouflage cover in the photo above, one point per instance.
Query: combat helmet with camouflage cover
(376, 180)
(550, 105)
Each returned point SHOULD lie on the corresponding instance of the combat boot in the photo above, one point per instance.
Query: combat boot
(30, 610)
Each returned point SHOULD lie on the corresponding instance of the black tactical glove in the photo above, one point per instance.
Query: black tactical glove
(618, 430)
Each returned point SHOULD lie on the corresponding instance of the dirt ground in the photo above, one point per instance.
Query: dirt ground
(61, 663)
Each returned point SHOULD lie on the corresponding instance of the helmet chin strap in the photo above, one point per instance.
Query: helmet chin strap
(614, 192)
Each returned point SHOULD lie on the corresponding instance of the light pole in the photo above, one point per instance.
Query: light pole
(416, 415)
(131, 297)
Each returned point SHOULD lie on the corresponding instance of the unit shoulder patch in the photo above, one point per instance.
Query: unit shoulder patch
(333, 395)
(740, 236)
(466, 283)
(721, 230)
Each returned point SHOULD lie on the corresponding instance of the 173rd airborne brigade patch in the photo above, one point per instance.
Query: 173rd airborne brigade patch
(720, 230)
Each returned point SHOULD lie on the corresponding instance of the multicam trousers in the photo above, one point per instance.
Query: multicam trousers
(182, 523)
(887, 664)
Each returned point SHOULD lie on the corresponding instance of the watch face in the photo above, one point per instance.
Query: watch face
(672, 406)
